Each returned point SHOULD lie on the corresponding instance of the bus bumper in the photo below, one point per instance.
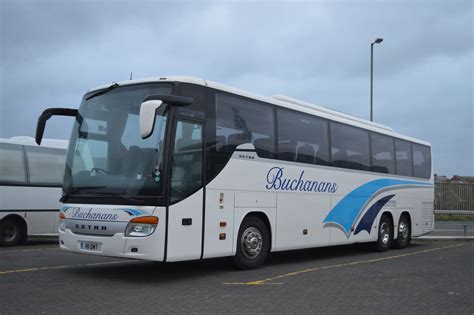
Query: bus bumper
(146, 248)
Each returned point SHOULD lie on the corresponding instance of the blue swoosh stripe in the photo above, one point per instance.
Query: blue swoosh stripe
(348, 209)
(134, 211)
(365, 224)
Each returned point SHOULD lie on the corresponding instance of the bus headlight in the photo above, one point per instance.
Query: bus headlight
(62, 222)
(142, 226)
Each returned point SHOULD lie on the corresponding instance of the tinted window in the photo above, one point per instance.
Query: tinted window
(404, 157)
(108, 156)
(186, 173)
(196, 108)
(12, 166)
(383, 156)
(302, 138)
(421, 161)
(239, 120)
(46, 165)
(350, 147)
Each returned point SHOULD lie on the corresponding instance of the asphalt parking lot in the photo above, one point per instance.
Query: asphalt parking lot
(428, 277)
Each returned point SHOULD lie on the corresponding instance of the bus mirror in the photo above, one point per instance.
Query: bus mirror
(47, 114)
(147, 117)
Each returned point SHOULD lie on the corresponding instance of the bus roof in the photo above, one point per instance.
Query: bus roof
(282, 101)
(24, 140)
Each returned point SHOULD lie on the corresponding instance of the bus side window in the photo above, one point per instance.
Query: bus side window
(12, 166)
(421, 161)
(383, 160)
(350, 147)
(286, 151)
(46, 165)
(404, 158)
(240, 120)
(302, 138)
(186, 173)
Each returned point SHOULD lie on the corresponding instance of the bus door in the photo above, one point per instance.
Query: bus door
(186, 193)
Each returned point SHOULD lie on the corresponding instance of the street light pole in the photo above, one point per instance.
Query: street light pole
(376, 41)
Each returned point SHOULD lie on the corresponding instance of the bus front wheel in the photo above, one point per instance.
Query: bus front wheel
(253, 244)
(11, 232)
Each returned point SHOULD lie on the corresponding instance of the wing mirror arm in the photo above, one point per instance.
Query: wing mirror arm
(47, 114)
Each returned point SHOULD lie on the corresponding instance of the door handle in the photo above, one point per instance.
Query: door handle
(187, 221)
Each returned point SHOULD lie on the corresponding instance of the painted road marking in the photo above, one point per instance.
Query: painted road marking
(298, 272)
(27, 250)
(441, 237)
(65, 266)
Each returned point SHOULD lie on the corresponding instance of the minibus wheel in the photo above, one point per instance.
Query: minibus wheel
(253, 244)
(385, 234)
(11, 232)
(404, 233)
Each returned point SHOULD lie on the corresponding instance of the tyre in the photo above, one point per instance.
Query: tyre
(385, 234)
(404, 233)
(253, 244)
(11, 232)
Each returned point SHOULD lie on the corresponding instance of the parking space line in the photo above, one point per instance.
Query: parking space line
(27, 250)
(65, 266)
(270, 280)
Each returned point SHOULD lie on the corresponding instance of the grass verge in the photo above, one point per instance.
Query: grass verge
(454, 217)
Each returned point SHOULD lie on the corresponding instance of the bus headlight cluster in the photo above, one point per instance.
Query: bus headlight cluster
(142, 226)
(62, 222)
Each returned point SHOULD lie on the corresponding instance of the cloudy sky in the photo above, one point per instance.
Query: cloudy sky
(318, 51)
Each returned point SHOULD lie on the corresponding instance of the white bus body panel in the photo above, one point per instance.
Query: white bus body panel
(38, 206)
(218, 211)
(244, 181)
(184, 241)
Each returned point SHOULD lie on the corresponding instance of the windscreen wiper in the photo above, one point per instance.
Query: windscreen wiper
(103, 91)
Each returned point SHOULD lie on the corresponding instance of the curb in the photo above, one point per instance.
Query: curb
(445, 238)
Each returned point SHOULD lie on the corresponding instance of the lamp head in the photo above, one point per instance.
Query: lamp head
(378, 40)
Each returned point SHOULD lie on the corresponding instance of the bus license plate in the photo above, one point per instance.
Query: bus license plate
(91, 246)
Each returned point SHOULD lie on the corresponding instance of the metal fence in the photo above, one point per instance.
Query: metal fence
(454, 196)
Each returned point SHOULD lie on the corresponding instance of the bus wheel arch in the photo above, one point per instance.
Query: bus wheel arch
(253, 242)
(404, 231)
(264, 217)
(13, 230)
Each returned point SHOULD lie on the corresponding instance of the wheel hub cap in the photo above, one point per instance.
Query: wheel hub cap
(8, 233)
(403, 231)
(384, 233)
(251, 243)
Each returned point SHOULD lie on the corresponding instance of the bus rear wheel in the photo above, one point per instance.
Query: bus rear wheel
(11, 232)
(404, 233)
(253, 244)
(385, 234)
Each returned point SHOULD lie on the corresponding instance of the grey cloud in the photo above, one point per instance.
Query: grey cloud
(53, 51)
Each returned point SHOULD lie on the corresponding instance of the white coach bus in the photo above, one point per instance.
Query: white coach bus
(30, 187)
(179, 168)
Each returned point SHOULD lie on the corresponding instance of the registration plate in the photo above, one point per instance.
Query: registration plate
(91, 246)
